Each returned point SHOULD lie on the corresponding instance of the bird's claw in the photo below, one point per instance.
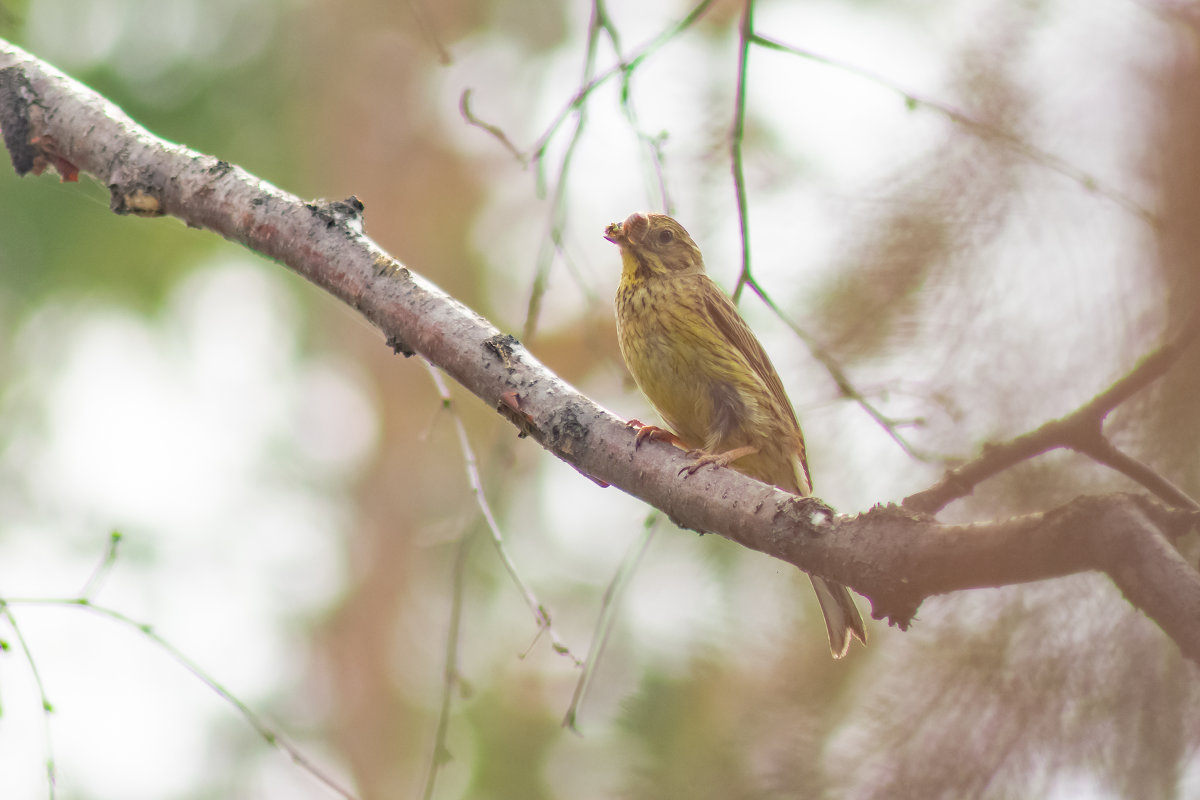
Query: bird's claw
(702, 459)
(651, 432)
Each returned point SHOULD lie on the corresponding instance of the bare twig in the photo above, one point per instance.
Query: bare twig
(268, 732)
(429, 33)
(47, 707)
(652, 144)
(464, 108)
(540, 615)
(581, 96)
(272, 736)
(747, 37)
(609, 606)
(96, 579)
(1103, 451)
(600, 21)
(451, 676)
(737, 136)
(538, 148)
(552, 243)
(1080, 430)
(1015, 143)
(840, 379)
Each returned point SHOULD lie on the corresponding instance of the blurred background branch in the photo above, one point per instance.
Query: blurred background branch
(1081, 430)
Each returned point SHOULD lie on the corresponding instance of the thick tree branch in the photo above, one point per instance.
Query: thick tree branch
(894, 557)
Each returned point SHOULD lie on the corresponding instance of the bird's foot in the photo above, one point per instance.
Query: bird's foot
(653, 433)
(703, 459)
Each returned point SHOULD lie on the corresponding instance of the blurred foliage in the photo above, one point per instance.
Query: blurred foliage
(513, 742)
(183, 98)
(945, 206)
(1011, 709)
(684, 738)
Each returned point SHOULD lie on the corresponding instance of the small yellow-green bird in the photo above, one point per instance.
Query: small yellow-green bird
(706, 374)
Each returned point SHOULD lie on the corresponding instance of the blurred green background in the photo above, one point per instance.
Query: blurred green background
(292, 496)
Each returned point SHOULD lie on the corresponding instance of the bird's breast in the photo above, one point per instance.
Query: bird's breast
(671, 350)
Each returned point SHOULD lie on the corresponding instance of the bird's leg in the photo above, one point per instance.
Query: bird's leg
(703, 459)
(653, 433)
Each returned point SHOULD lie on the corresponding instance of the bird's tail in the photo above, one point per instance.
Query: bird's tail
(842, 619)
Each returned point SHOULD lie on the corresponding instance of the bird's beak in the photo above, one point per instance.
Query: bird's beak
(630, 232)
(614, 233)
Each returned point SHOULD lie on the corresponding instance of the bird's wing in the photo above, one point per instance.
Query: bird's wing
(735, 330)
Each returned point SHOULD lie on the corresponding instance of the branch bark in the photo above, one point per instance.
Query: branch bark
(893, 556)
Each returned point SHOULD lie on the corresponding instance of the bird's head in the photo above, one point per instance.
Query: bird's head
(654, 245)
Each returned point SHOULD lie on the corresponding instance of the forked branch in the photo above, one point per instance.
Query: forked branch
(1081, 430)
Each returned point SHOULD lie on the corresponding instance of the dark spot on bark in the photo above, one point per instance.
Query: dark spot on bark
(568, 433)
(398, 346)
(510, 407)
(805, 514)
(16, 96)
(503, 346)
(337, 213)
(137, 198)
(385, 266)
(680, 525)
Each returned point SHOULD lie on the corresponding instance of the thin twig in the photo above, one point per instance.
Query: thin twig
(1148, 370)
(102, 569)
(1081, 430)
(1106, 453)
(540, 614)
(609, 606)
(552, 243)
(538, 149)
(653, 145)
(47, 707)
(645, 52)
(451, 676)
(840, 379)
(745, 36)
(272, 736)
(464, 108)
(1035, 154)
(430, 34)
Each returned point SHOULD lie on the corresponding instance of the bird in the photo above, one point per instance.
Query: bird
(709, 378)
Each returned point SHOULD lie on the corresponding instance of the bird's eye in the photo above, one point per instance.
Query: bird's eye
(665, 236)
